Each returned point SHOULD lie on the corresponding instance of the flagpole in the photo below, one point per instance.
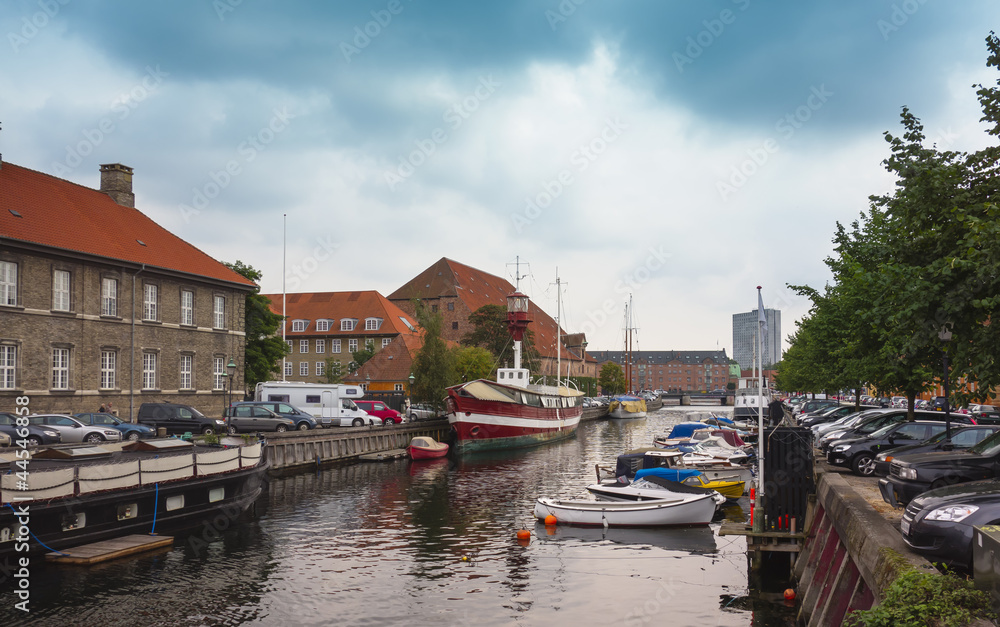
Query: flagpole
(761, 328)
(284, 257)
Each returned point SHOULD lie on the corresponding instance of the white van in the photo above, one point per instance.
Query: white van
(331, 404)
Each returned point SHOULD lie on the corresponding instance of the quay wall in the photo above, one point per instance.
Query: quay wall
(851, 555)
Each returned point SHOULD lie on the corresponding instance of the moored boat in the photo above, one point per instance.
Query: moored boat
(729, 487)
(683, 510)
(424, 447)
(648, 488)
(627, 406)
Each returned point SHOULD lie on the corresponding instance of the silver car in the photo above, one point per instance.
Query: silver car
(72, 430)
(249, 418)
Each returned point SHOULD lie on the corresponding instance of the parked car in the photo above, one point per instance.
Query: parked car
(379, 409)
(130, 431)
(303, 420)
(421, 411)
(249, 418)
(876, 421)
(939, 523)
(914, 474)
(813, 405)
(962, 437)
(35, 435)
(72, 430)
(177, 418)
(859, 453)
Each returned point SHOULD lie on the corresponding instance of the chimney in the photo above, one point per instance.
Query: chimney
(116, 181)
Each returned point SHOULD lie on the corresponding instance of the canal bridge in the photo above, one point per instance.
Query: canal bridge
(700, 398)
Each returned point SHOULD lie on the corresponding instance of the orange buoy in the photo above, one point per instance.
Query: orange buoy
(550, 530)
(523, 542)
(550, 520)
(523, 534)
(789, 594)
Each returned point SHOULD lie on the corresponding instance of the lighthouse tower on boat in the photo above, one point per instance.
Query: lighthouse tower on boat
(517, 324)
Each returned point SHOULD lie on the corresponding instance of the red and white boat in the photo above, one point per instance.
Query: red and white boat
(510, 412)
(423, 447)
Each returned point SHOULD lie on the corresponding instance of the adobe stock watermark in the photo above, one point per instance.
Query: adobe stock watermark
(364, 34)
(222, 7)
(630, 283)
(786, 127)
(653, 608)
(300, 271)
(553, 188)
(247, 150)
(563, 11)
(898, 17)
(33, 24)
(697, 44)
(121, 108)
(454, 116)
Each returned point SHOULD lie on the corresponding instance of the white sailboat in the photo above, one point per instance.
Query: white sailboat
(627, 405)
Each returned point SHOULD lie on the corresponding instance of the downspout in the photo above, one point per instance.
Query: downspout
(131, 375)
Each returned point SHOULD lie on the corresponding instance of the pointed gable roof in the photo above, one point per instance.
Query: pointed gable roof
(336, 306)
(40, 209)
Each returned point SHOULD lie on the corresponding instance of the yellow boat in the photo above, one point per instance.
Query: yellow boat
(729, 488)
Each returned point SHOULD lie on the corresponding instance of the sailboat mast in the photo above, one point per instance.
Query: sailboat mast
(558, 329)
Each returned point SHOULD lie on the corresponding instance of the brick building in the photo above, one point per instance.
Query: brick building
(456, 290)
(99, 304)
(673, 371)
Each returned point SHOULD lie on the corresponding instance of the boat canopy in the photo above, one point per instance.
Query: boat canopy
(673, 474)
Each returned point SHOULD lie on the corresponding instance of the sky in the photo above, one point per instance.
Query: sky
(675, 152)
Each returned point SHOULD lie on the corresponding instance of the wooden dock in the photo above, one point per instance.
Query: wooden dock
(105, 550)
(384, 456)
(778, 541)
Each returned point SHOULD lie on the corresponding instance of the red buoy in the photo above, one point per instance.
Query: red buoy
(523, 534)
(550, 520)
(789, 594)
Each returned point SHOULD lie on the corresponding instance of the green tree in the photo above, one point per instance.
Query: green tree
(433, 365)
(334, 372)
(471, 363)
(264, 346)
(611, 379)
(489, 331)
(359, 357)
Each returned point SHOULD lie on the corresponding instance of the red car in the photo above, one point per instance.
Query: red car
(380, 410)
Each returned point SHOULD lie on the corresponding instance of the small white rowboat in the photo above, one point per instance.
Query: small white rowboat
(695, 509)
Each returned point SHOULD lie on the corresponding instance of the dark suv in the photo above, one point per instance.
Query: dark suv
(303, 421)
(178, 418)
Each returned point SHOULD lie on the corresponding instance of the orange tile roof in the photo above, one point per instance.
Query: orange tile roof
(60, 214)
(314, 306)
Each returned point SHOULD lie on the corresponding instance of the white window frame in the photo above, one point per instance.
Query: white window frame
(289, 342)
(109, 297)
(218, 373)
(352, 345)
(303, 368)
(149, 371)
(303, 347)
(187, 307)
(8, 283)
(348, 324)
(320, 368)
(109, 369)
(60, 368)
(373, 324)
(320, 347)
(386, 341)
(187, 372)
(298, 326)
(8, 367)
(288, 368)
(219, 312)
(150, 302)
(397, 387)
(60, 291)
(335, 347)
(322, 325)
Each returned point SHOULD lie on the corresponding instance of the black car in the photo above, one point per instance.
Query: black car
(858, 454)
(34, 434)
(962, 437)
(915, 474)
(177, 418)
(878, 419)
(939, 523)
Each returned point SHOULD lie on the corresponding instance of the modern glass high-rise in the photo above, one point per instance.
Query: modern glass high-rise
(745, 338)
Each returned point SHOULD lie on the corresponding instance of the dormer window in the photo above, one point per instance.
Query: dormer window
(373, 324)
(299, 325)
(323, 325)
(348, 324)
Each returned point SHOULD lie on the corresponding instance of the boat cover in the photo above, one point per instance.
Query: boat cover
(632, 404)
(686, 429)
(673, 474)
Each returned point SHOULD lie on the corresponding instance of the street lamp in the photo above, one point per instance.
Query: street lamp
(409, 393)
(231, 370)
(368, 382)
(945, 335)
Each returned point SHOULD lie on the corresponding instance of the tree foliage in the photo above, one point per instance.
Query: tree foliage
(471, 363)
(334, 371)
(359, 357)
(433, 365)
(611, 379)
(489, 331)
(264, 346)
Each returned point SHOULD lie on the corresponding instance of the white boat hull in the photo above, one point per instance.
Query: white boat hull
(686, 511)
(617, 492)
(621, 412)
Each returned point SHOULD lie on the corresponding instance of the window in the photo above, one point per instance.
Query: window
(373, 324)
(8, 367)
(322, 325)
(218, 373)
(288, 368)
(60, 290)
(187, 307)
(289, 342)
(149, 302)
(386, 341)
(454, 325)
(451, 306)
(149, 369)
(219, 312)
(335, 346)
(186, 362)
(352, 346)
(109, 297)
(299, 325)
(398, 387)
(109, 362)
(8, 283)
(60, 368)
(347, 324)
(320, 368)
(303, 368)
(434, 308)
(303, 346)
(320, 346)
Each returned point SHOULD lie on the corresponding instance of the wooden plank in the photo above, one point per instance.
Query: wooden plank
(742, 529)
(383, 456)
(98, 552)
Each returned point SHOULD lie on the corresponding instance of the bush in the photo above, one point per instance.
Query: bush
(921, 599)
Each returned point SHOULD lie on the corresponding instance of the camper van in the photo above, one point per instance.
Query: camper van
(331, 404)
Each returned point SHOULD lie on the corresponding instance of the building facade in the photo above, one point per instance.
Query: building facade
(745, 326)
(99, 305)
(673, 371)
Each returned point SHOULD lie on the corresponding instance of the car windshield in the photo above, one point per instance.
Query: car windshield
(989, 446)
(875, 424)
(884, 430)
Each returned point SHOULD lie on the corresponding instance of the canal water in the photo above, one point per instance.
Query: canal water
(415, 543)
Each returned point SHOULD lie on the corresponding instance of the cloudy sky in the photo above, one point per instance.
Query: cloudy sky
(683, 151)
